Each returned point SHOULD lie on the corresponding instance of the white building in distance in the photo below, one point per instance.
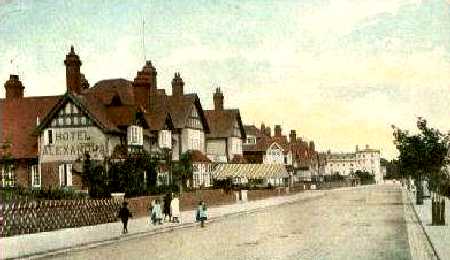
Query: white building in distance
(346, 164)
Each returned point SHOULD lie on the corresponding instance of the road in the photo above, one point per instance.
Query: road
(362, 223)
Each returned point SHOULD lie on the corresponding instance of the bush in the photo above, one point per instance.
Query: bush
(20, 194)
(156, 190)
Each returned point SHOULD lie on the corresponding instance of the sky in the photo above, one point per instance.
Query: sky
(340, 72)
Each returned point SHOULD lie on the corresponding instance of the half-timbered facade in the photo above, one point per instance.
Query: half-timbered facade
(224, 142)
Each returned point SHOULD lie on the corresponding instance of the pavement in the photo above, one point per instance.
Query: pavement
(45, 244)
(439, 236)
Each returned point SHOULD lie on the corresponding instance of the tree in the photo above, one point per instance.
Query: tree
(94, 178)
(183, 170)
(423, 156)
(128, 175)
(365, 177)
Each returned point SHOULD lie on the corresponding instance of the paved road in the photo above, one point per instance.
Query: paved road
(364, 223)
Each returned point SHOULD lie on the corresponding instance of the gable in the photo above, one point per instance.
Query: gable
(78, 111)
(194, 120)
(70, 115)
(275, 146)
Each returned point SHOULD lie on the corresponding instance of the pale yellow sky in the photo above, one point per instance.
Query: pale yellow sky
(340, 72)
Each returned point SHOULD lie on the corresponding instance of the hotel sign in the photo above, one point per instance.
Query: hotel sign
(71, 143)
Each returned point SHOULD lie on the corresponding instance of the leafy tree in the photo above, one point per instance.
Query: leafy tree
(365, 177)
(183, 170)
(423, 156)
(94, 178)
(128, 175)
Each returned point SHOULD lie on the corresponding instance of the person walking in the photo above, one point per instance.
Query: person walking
(157, 213)
(202, 213)
(124, 214)
(166, 206)
(175, 209)
(151, 212)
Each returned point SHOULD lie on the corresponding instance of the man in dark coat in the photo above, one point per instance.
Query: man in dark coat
(124, 214)
(166, 208)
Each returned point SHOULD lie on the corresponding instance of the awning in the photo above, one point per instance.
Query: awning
(250, 171)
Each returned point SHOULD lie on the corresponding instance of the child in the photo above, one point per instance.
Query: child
(202, 213)
(157, 213)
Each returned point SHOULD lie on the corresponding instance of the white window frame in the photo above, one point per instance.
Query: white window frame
(135, 135)
(9, 175)
(36, 172)
(65, 175)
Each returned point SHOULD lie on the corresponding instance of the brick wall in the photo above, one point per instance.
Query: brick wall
(50, 176)
(139, 206)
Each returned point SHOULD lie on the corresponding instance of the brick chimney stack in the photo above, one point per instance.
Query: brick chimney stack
(268, 131)
(14, 88)
(177, 85)
(312, 146)
(293, 136)
(218, 100)
(73, 75)
(144, 85)
(277, 130)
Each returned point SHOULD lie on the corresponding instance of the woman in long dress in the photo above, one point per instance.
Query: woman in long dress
(175, 209)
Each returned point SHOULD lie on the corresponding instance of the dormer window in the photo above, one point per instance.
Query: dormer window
(135, 135)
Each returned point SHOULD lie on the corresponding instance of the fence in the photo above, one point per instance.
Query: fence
(40, 216)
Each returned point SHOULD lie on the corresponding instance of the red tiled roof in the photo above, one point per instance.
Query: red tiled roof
(179, 107)
(18, 121)
(105, 90)
(158, 121)
(221, 122)
(121, 115)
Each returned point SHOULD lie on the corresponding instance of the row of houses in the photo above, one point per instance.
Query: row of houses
(44, 138)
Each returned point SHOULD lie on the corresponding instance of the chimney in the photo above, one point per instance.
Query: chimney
(73, 75)
(14, 88)
(84, 82)
(263, 127)
(218, 100)
(357, 149)
(177, 85)
(312, 146)
(144, 85)
(293, 136)
(268, 131)
(367, 147)
(277, 130)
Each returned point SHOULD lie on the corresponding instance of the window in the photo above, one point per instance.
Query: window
(251, 140)
(65, 175)
(48, 136)
(83, 120)
(67, 109)
(8, 176)
(35, 176)
(135, 135)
